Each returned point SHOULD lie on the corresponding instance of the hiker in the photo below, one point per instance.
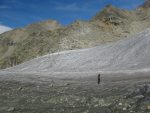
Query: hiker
(99, 79)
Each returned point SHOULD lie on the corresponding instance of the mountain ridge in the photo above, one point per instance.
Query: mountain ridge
(111, 24)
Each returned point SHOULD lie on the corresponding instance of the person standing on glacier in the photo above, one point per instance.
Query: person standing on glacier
(99, 79)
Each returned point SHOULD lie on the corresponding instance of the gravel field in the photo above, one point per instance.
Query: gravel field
(37, 93)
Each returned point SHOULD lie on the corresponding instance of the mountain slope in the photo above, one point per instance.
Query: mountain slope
(132, 53)
(109, 25)
(23, 44)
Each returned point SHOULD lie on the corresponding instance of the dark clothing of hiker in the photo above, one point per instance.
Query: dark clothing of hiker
(99, 79)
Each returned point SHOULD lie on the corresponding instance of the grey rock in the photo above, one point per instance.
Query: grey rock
(124, 109)
(11, 109)
(20, 88)
(120, 104)
(148, 88)
(139, 97)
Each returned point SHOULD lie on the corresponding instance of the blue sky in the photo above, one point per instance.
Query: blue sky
(19, 13)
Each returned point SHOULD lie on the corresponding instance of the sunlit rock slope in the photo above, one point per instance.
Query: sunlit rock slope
(132, 53)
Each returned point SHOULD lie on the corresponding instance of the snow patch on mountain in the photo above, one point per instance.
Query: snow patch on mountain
(4, 29)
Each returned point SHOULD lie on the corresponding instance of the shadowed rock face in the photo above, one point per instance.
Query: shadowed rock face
(109, 25)
(132, 53)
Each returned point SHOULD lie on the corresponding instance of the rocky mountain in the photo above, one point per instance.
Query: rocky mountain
(132, 53)
(109, 25)
(22, 44)
(146, 4)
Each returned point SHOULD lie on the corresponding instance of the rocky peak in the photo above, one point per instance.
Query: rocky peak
(112, 15)
(146, 4)
(110, 11)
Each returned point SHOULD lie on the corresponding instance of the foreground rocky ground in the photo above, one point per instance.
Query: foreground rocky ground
(45, 94)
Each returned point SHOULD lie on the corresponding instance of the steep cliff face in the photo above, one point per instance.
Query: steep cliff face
(109, 25)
